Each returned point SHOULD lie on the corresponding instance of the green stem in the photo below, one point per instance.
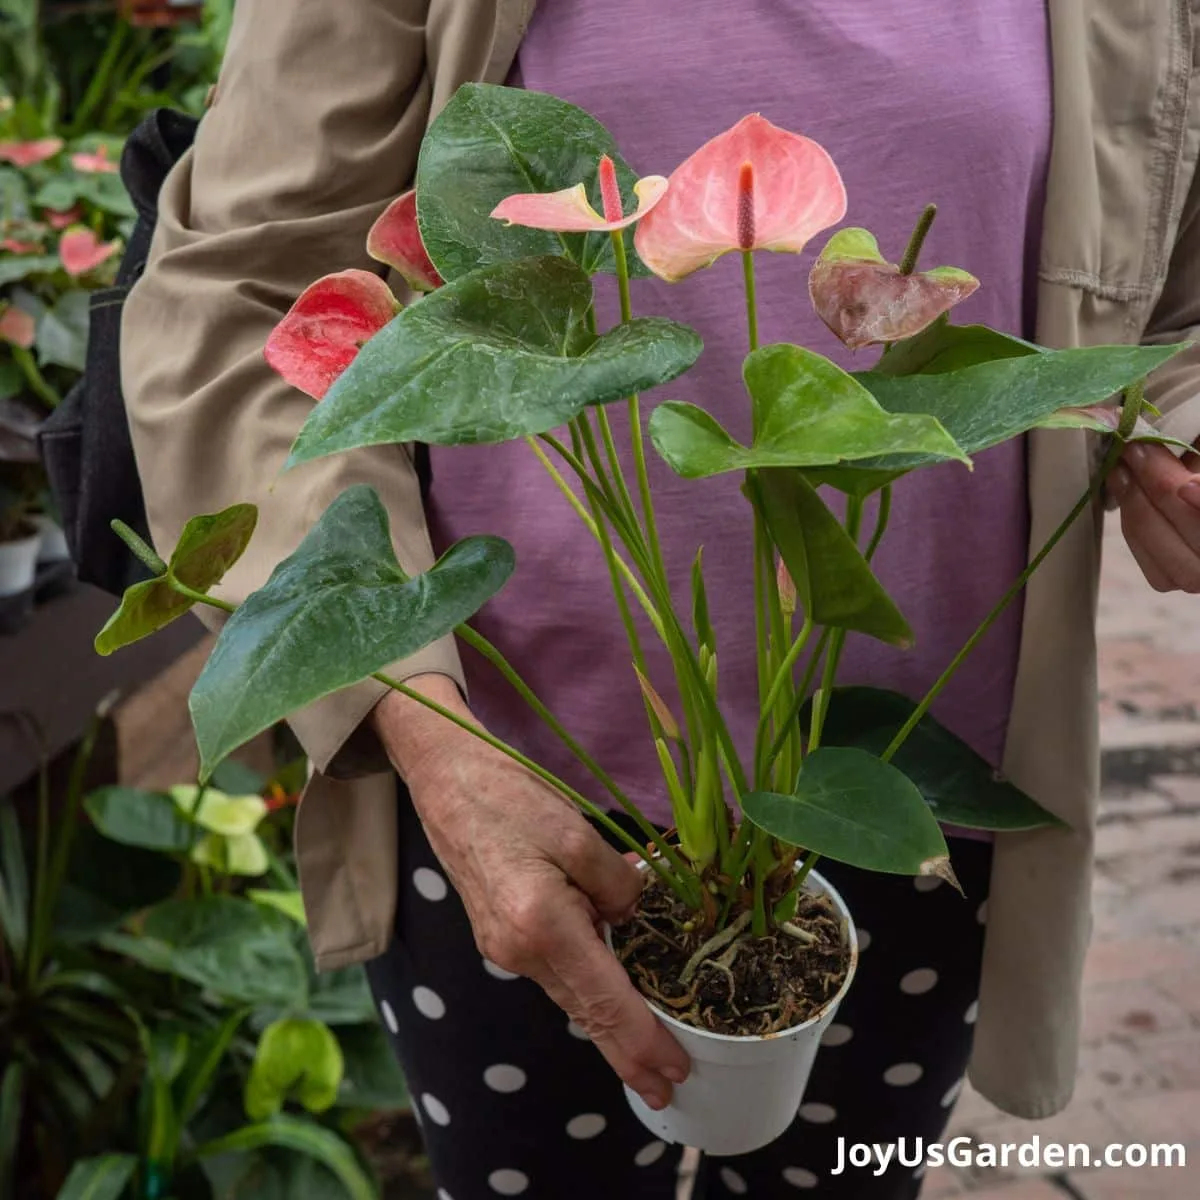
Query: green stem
(881, 521)
(793, 715)
(38, 384)
(908, 264)
(782, 677)
(201, 597)
(751, 298)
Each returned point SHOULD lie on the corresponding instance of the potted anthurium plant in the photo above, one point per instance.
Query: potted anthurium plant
(519, 200)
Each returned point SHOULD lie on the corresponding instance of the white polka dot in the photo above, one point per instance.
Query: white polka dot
(586, 1125)
(920, 981)
(798, 1177)
(903, 1074)
(972, 1014)
(389, 1017)
(576, 1032)
(837, 1035)
(438, 1113)
(504, 1078)
(498, 972)
(429, 1003)
(981, 914)
(508, 1183)
(430, 884)
(864, 940)
(926, 883)
(952, 1095)
(647, 1156)
(818, 1114)
(733, 1181)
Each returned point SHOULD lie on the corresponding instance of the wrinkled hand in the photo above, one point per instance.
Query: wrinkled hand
(1159, 498)
(536, 879)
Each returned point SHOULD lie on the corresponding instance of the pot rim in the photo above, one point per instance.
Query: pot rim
(830, 1004)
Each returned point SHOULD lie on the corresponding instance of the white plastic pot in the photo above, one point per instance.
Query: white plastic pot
(53, 547)
(18, 564)
(743, 1092)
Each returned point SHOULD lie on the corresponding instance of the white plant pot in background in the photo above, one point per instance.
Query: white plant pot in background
(18, 564)
(743, 1092)
(53, 546)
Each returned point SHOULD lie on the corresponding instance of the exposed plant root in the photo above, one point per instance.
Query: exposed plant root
(801, 935)
(717, 942)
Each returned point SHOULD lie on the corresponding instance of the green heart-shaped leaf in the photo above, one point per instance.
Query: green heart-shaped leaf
(337, 610)
(500, 354)
(208, 546)
(491, 142)
(834, 582)
(808, 413)
(853, 807)
(945, 347)
(959, 786)
(137, 818)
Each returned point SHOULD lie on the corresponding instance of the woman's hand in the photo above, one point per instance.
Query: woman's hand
(536, 879)
(1159, 498)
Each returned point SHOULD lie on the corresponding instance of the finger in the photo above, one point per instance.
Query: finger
(1162, 477)
(610, 881)
(1167, 561)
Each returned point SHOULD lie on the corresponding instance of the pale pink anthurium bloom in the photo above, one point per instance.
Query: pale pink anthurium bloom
(326, 327)
(866, 300)
(16, 246)
(94, 164)
(62, 218)
(754, 187)
(82, 251)
(26, 154)
(570, 211)
(395, 240)
(16, 326)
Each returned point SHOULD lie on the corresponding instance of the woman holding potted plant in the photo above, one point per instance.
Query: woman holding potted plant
(534, 877)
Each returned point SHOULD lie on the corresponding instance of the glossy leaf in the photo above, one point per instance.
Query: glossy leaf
(834, 583)
(808, 413)
(208, 546)
(499, 354)
(339, 608)
(957, 784)
(137, 818)
(296, 1059)
(62, 332)
(491, 142)
(103, 1178)
(853, 807)
(21, 266)
(945, 347)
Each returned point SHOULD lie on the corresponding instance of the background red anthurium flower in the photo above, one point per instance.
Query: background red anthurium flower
(26, 154)
(754, 187)
(82, 251)
(16, 326)
(396, 241)
(570, 211)
(326, 328)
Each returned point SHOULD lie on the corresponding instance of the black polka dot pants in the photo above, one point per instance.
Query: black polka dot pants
(514, 1101)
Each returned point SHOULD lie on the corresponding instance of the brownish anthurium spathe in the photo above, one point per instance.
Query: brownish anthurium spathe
(867, 300)
(570, 211)
(82, 251)
(327, 326)
(395, 240)
(27, 154)
(753, 187)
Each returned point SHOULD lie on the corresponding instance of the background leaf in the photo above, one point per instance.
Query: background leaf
(138, 818)
(62, 332)
(103, 1178)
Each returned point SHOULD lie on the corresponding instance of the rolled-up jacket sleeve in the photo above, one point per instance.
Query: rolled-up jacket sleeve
(314, 126)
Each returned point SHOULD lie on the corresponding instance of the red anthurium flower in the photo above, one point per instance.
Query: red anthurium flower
(754, 187)
(395, 240)
(26, 154)
(82, 251)
(63, 218)
(865, 300)
(14, 246)
(569, 211)
(16, 326)
(326, 328)
(94, 164)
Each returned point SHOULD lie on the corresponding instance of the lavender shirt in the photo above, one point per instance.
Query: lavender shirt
(913, 106)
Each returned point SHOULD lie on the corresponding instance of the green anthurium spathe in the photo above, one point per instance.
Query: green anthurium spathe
(501, 353)
(232, 854)
(207, 548)
(1099, 418)
(228, 816)
(851, 806)
(295, 1059)
(835, 585)
(490, 143)
(808, 412)
(337, 610)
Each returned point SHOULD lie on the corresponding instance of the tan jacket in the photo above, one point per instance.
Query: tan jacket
(316, 124)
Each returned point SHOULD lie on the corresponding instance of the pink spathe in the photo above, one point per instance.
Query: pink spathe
(914, 106)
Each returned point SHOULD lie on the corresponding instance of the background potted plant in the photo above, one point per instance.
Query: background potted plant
(505, 345)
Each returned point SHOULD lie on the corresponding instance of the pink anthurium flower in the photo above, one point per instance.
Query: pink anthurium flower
(395, 240)
(569, 211)
(15, 246)
(16, 326)
(26, 154)
(754, 187)
(82, 251)
(866, 300)
(63, 218)
(326, 328)
(94, 164)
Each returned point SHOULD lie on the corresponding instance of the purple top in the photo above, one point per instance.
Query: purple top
(913, 107)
